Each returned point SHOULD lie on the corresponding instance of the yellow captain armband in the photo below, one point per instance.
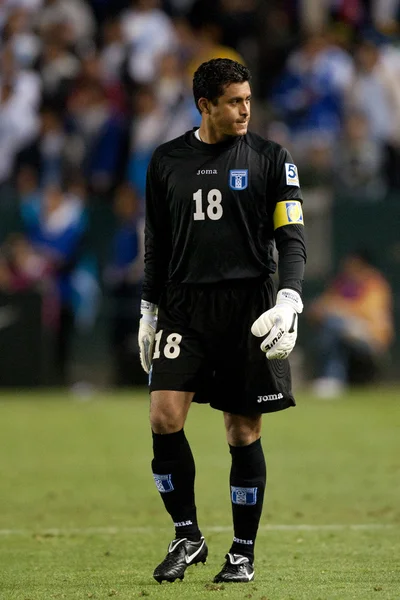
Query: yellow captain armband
(288, 212)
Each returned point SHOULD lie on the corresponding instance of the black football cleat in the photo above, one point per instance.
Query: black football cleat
(182, 553)
(237, 569)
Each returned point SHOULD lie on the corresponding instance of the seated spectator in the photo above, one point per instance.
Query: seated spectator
(354, 325)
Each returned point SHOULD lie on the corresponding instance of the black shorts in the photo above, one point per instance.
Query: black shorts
(204, 345)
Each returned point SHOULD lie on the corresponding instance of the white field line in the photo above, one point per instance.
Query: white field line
(77, 531)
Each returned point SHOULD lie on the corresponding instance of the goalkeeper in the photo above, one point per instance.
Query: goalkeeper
(213, 329)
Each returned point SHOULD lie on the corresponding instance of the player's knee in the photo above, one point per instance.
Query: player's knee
(165, 418)
(162, 421)
(168, 411)
(242, 431)
(242, 438)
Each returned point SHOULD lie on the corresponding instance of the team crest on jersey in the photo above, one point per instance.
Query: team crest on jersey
(238, 179)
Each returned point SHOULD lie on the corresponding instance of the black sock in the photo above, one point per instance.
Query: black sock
(247, 479)
(174, 472)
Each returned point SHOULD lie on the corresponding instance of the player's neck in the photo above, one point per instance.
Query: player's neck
(209, 135)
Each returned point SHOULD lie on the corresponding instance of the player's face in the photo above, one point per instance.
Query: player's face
(231, 114)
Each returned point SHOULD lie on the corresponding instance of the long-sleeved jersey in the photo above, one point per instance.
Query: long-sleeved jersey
(213, 212)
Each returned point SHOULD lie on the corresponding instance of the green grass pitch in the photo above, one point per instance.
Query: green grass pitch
(80, 516)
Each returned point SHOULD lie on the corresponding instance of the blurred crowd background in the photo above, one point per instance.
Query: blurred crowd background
(89, 88)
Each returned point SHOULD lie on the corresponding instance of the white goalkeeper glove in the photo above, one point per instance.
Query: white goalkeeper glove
(279, 324)
(147, 333)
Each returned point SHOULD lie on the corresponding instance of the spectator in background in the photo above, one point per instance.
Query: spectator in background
(46, 155)
(375, 90)
(29, 195)
(239, 21)
(170, 86)
(18, 127)
(51, 147)
(93, 71)
(174, 96)
(113, 51)
(310, 94)
(208, 45)
(58, 67)
(358, 162)
(149, 124)
(19, 35)
(385, 15)
(31, 270)
(123, 278)
(5, 274)
(354, 323)
(26, 83)
(160, 113)
(56, 231)
(75, 16)
(149, 32)
(96, 137)
(375, 84)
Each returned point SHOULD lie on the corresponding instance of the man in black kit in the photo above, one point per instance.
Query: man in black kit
(217, 200)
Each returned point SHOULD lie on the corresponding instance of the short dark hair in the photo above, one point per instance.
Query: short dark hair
(212, 76)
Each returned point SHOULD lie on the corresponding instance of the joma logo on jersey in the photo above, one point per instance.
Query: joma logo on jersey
(207, 172)
(238, 179)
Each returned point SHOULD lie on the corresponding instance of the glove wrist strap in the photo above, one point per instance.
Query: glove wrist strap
(291, 297)
(148, 308)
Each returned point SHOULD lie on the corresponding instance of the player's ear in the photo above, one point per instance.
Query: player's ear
(203, 104)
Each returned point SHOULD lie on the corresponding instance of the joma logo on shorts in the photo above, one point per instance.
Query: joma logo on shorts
(269, 398)
(276, 339)
(207, 172)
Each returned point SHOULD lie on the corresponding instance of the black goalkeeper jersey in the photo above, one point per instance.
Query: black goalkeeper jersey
(209, 210)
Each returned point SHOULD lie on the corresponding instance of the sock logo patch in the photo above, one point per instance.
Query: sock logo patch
(163, 483)
(244, 496)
